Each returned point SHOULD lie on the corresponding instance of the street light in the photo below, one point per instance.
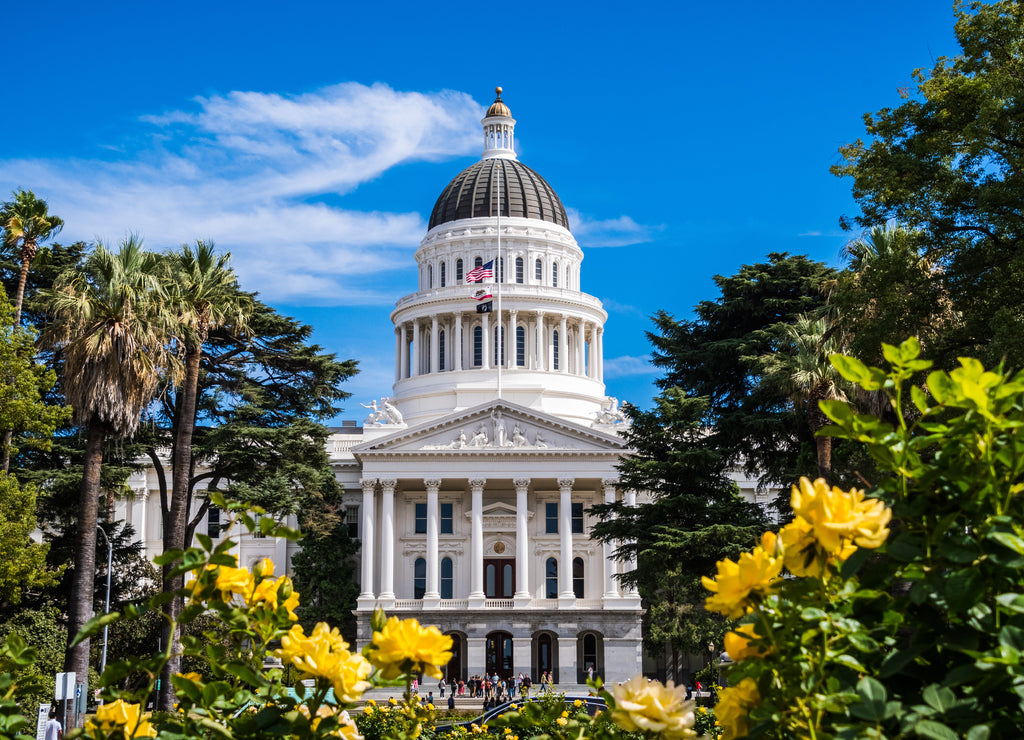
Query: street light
(106, 606)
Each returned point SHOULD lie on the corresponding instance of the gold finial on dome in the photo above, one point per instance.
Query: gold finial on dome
(498, 107)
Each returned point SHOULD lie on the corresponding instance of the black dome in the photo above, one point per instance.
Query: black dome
(524, 194)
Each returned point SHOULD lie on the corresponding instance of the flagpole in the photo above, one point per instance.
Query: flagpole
(500, 272)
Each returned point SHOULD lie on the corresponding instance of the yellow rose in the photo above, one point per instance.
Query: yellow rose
(734, 703)
(838, 518)
(403, 646)
(233, 581)
(124, 716)
(642, 705)
(735, 582)
(325, 654)
(739, 643)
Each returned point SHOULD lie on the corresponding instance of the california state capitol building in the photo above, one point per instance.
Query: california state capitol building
(468, 486)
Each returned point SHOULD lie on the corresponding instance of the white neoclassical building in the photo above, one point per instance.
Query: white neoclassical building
(469, 486)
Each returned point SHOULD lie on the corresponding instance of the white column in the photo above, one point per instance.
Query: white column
(563, 346)
(476, 566)
(522, 596)
(366, 596)
(398, 355)
(581, 350)
(457, 342)
(514, 339)
(631, 592)
(432, 596)
(611, 586)
(600, 354)
(538, 360)
(433, 345)
(416, 354)
(566, 596)
(485, 361)
(387, 543)
(405, 352)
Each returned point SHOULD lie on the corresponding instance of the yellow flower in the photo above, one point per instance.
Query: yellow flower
(403, 646)
(735, 582)
(120, 715)
(325, 654)
(233, 581)
(577, 703)
(739, 643)
(268, 591)
(562, 721)
(734, 703)
(647, 705)
(839, 517)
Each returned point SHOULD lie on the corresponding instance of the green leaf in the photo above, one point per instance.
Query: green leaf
(919, 397)
(979, 732)
(937, 730)
(94, 626)
(1012, 637)
(872, 700)
(1009, 540)
(938, 697)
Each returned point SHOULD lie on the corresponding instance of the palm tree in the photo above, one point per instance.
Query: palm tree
(203, 294)
(802, 371)
(107, 322)
(26, 222)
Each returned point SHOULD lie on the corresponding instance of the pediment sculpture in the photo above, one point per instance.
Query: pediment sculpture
(386, 414)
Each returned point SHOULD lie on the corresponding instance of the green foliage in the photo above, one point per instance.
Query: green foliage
(396, 720)
(323, 570)
(923, 638)
(41, 630)
(946, 163)
(15, 656)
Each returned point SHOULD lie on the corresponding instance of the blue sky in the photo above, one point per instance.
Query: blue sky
(310, 139)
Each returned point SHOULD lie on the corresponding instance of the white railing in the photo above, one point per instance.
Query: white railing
(463, 604)
(499, 604)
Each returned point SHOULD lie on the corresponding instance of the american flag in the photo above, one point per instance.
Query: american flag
(479, 273)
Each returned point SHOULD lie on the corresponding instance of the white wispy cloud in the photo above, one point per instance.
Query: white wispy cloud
(613, 232)
(246, 169)
(619, 367)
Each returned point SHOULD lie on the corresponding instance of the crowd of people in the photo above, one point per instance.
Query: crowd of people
(494, 689)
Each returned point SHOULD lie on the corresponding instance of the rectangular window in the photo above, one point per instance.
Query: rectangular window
(447, 519)
(577, 517)
(421, 519)
(551, 518)
(213, 522)
(352, 521)
(538, 271)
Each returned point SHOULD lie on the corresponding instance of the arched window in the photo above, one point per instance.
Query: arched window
(430, 276)
(499, 343)
(538, 270)
(478, 346)
(419, 578)
(444, 274)
(519, 269)
(520, 346)
(554, 275)
(458, 270)
(478, 262)
(589, 652)
(554, 348)
(577, 577)
(440, 348)
(551, 579)
(545, 656)
(447, 578)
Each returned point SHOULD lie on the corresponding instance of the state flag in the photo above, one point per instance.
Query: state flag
(481, 293)
(485, 307)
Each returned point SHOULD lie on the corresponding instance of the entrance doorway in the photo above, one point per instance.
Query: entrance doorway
(499, 654)
(499, 578)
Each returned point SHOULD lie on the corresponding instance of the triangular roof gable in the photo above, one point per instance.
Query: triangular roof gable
(490, 428)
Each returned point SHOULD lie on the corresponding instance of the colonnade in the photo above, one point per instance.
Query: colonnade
(476, 596)
(579, 349)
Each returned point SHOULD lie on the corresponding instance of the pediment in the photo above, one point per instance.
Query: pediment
(494, 428)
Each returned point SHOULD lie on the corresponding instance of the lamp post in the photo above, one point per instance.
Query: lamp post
(106, 605)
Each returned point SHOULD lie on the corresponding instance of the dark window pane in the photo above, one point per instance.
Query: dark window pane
(421, 519)
(551, 518)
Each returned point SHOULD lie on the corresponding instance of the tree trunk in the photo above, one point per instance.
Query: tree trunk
(82, 593)
(824, 447)
(174, 529)
(28, 253)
